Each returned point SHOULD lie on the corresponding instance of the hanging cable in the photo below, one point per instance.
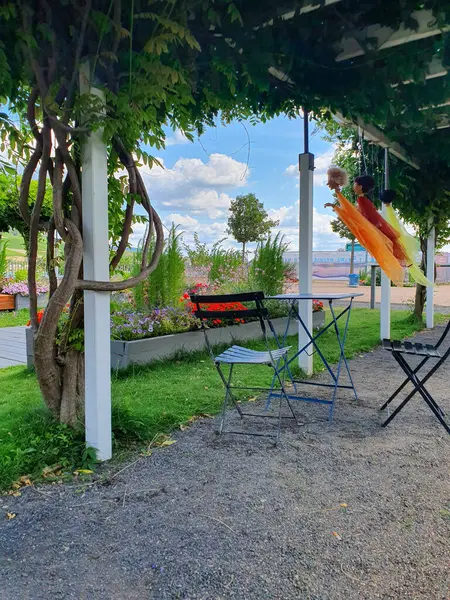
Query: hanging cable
(361, 145)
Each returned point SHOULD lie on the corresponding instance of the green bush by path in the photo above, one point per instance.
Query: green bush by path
(147, 400)
(15, 318)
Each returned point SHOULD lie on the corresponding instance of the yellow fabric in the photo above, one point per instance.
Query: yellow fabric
(411, 246)
(375, 242)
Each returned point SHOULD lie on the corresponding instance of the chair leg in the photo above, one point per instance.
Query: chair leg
(228, 395)
(405, 383)
(284, 393)
(277, 439)
(418, 387)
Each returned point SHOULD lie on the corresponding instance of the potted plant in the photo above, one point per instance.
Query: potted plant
(318, 314)
(19, 291)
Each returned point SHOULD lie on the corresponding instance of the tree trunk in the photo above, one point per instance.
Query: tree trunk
(243, 253)
(419, 301)
(72, 396)
(352, 258)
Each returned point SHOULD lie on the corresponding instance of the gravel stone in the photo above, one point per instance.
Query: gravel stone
(340, 511)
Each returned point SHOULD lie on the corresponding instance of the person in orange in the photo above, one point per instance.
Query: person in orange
(371, 237)
(362, 186)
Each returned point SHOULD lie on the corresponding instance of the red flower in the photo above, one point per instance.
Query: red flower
(185, 295)
(40, 314)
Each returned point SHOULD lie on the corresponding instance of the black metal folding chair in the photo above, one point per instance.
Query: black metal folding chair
(427, 351)
(275, 358)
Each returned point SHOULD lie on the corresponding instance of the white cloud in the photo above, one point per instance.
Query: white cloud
(209, 232)
(220, 171)
(138, 234)
(183, 220)
(196, 187)
(323, 236)
(321, 164)
(205, 202)
(292, 171)
(177, 139)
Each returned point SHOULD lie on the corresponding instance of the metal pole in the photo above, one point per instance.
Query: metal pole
(96, 304)
(305, 246)
(431, 243)
(373, 283)
(306, 132)
(385, 309)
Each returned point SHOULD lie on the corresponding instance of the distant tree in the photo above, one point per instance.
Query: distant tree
(10, 217)
(248, 221)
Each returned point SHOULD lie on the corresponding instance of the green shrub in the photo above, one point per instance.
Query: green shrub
(138, 291)
(3, 261)
(224, 264)
(199, 255)
(268, 268)
(21, 275)
(167, 283)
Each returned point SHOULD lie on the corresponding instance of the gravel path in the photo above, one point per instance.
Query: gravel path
(347, 511)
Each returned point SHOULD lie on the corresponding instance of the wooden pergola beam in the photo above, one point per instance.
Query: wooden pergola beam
(375, 135)
(386, 37)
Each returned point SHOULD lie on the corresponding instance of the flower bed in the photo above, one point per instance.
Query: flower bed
(146, 350)
(21, 299)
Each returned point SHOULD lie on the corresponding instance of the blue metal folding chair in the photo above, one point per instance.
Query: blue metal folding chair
(236, 355)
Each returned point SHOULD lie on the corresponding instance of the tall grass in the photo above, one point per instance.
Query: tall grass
(138, 291)
(3, 260)
(167, 282)
(267, 270)
(223, 264)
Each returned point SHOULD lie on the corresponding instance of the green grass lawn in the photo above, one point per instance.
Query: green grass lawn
(146, 400)
(16, 248)
(15, 318)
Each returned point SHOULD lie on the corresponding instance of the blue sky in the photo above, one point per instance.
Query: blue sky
(199, 179)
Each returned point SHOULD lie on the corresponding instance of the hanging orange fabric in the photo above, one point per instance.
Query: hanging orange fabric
(369, 211)
(373, 240)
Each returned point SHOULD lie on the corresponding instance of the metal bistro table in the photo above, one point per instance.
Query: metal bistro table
(341, 336)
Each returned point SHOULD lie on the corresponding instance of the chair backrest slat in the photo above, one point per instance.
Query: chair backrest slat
(229, 306)
(223, 298)
(230, 314)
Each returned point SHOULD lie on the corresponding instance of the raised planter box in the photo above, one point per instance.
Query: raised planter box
(17, 302)
(145, 351)
(24, 301)
(7, 302)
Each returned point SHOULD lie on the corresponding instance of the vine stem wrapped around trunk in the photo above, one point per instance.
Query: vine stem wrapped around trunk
(59, 365)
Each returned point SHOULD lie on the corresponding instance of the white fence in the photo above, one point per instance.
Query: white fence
(12, 266)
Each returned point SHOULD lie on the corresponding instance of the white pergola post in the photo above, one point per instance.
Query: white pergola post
(385, 308)
(431, 245)
(305, 249)
(96, 304)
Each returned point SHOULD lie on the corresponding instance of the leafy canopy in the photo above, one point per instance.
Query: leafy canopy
(248, 221)
(10, 217)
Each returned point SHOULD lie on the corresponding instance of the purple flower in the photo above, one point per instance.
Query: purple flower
(22, 289)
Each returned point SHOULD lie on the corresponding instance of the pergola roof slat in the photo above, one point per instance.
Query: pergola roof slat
(388, 38)
(373, 134)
